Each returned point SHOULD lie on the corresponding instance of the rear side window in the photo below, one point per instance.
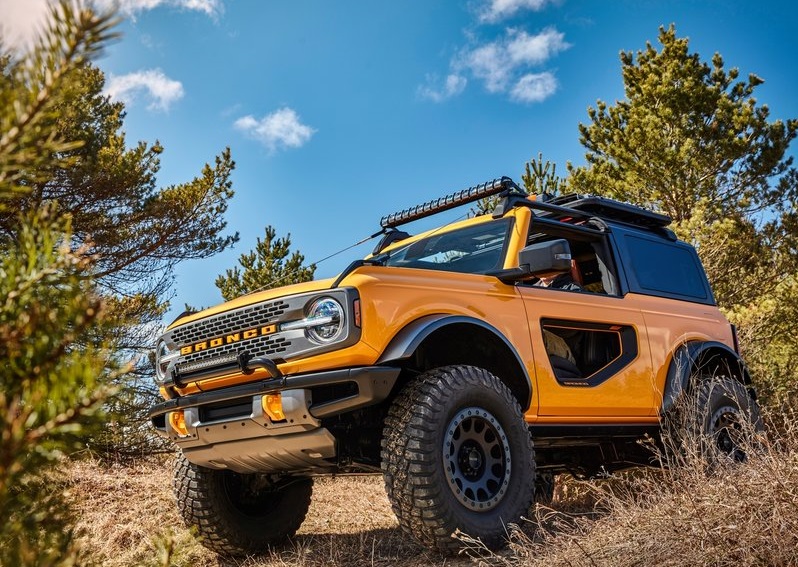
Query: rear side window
(665, 268)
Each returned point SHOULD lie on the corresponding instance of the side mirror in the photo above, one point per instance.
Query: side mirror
(545, 257)
(539, 259)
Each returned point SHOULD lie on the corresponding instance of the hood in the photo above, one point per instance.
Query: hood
(252, 298)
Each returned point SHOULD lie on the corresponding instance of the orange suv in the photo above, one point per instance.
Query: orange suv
(469, 364)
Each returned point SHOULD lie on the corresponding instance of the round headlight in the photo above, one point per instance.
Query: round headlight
(163, 356)
(330, 315)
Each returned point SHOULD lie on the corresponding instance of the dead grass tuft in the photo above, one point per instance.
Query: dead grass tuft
(127, 517)
(729, 514)
(126, 514)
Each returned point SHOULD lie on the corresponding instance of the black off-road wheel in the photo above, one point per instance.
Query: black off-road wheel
(457, 455)
(719, 421)
(729, 420)
(239, 514)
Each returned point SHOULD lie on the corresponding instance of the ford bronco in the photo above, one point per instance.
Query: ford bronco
(453, 363)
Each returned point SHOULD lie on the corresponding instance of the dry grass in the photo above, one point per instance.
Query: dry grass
(128, 517)
(733, 515)
(744, 517)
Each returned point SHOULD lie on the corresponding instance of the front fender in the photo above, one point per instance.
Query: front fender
(405, 344)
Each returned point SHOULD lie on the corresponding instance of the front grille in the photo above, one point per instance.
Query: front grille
(225, 323)
(210, 347)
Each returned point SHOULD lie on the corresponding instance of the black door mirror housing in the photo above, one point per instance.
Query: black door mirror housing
(539, 259)
(544, 258)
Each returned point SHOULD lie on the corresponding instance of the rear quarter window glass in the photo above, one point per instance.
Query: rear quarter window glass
(666, 268)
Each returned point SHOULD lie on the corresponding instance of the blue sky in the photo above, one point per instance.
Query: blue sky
(338, 113)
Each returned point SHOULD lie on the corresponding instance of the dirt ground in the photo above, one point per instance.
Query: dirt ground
(734, 514)
(127, 516)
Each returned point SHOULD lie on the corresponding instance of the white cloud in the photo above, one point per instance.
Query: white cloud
(132, 7)
(535, 49)
(534, 87)
(490, 63)
(20, 20)
(498, 10)
(160, 89)
(452, 86)
(499, 63)
(280, 129)
(504, 64)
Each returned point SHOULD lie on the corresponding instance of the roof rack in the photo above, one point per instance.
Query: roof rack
(569, 206)
(611, 209)
(503, 185)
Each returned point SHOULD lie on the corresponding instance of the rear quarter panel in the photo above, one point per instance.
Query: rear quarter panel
(671, 323)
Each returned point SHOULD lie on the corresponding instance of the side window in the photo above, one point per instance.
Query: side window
(586, 354)
(665, 268)
(591, 266)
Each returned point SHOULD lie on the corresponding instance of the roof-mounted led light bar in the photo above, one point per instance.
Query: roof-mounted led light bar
(504, 184)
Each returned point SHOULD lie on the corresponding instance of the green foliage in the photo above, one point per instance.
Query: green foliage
(687, 132)
(539, 177)
(29, 94)
(691, 141)
(137, 231)
(52, 386)
(270, 264)
(50, 391)
(72, 150)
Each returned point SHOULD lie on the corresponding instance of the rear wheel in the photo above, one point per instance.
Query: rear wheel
(728, 419)
(239, 514)
(718, 421)
(457, 455)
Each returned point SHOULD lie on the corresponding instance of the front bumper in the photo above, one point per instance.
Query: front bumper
(227, 428)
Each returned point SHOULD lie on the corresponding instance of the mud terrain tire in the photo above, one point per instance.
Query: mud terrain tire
(237, 514)
(728, 420)
(718, 422)
(457, 455)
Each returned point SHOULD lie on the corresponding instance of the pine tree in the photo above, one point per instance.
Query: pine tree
(691, 141)
(135, 231)
(55, 366)
(687, 133)
(271, 264)
(540, 177)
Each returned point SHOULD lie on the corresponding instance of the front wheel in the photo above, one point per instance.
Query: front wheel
(239, 514)
(457, 455)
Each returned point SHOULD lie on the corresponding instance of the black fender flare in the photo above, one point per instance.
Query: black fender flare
(405, 343)
(680, 370)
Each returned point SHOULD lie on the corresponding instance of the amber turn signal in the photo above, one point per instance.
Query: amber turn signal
(177, 419)
(273, 406)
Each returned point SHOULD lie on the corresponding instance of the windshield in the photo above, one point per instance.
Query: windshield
(474, 250)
